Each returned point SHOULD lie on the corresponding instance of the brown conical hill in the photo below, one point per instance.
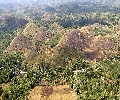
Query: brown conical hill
(76, 40)
(19, 44)
(22, 42)
(70, 47)
(93, 47)
(62, 92)
(42, 35)
(101, 47)
(87, 30)
(30, 29)
(103, 43)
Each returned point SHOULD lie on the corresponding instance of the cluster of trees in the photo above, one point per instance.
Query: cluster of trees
(11, 23)
(9, 64)
(100, 80)
(84, 19)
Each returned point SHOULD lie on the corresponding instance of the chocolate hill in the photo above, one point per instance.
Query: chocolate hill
(30, 29)
(42, 35)
(26, 40)
(93, 47)
(19, 44)
(76, 43)
(62, 92)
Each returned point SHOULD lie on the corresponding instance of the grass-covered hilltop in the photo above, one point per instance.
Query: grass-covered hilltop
(64, 50)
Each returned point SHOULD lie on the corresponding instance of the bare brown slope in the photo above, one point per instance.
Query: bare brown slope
(19, 44)
(73, 44)
(30, 29)
(42, 35)
(93, 47)
(23, 42)
(63, 92)
(102, 43)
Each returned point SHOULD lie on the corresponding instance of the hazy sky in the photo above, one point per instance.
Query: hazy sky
(40, 1)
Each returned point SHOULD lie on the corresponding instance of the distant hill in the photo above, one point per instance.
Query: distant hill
(46, 45)
(53, 2)
(74, 44)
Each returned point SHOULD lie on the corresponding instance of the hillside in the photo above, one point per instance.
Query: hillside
(93, 47)
(53, 93)
(82, 41)
(60, 49)
(19, 44)
(30, 29)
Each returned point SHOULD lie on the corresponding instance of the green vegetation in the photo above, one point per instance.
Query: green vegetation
(49, 65)
(100, 80)
(53, 42)
(118, 48)
(1, 90)
(9, 64)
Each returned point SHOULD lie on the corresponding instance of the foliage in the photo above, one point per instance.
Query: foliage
(80, 64)
(46, 24)
(100, 81)
(66, 55)
(118, 48)
(101, 31)
(79, 20)
(18, 89)
(1, 90)
(91, 80)
(53, 42)
(9, 63)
